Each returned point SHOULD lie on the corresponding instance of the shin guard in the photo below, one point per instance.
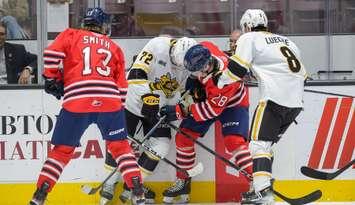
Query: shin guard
(53, 167)
(238, 147)
(126, 162)
(185, 151)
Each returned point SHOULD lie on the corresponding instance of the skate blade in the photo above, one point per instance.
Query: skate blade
(257, 203)
(149, 201)
(182, 199)
(104, 201)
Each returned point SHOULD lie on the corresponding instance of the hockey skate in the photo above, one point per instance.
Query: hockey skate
(181, 188)
(108, 189)
(106, 193)
(137, 195)
(149, 195)
(264, 197)
(40, 195)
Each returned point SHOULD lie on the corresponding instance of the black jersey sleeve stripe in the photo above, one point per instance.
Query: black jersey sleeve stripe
(137, 74)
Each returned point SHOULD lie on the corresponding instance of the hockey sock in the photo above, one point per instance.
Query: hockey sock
(185, 152)
(57, 159)
(125, 159)
(147, 162)
(261, 154)
(238, 147)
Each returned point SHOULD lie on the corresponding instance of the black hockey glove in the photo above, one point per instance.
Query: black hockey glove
(170, 112)
(150, 106)
(173, 112)
(54, 87)
(196, 89)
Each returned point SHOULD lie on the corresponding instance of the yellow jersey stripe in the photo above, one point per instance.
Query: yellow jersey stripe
(141, 66)
(137, 81)
(237, 59)
(257, 121)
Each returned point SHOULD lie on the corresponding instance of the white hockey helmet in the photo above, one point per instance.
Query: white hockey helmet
(253, 18)
(179, 50)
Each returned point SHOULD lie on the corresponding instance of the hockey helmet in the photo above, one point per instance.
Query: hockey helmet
(95, 16)
(253, 18)
(197, 58)
(97, 20)
(179, 50)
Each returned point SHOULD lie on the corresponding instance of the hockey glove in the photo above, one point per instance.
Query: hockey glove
(172, 112)
(196, 88)
(186, 100)
(150, 106)
(54, 87)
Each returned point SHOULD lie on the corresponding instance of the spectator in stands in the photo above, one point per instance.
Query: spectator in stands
(16, 64)
(13, 14)
(171, 31)
(234, 36)
(192, 31)
(125, 25)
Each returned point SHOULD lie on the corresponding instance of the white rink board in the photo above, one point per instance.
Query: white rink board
(291, 152)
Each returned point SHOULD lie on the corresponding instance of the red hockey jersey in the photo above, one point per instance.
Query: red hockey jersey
(235, 94)
(93, 71)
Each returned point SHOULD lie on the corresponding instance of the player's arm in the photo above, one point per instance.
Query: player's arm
(139, 84)
(240, 63)
(53, 56)
(120, 77)
(201, 108)
(213, 105)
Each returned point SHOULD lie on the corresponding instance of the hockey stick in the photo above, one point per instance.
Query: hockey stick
(87, 189)
(311, 91)
(313, 173)
(196, 170)
(211, 151)
(328, 93)
(315, 195)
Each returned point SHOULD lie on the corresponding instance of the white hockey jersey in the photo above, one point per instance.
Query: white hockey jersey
(154, 60)
(275, 62)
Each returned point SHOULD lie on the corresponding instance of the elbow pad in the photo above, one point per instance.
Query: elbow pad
(135, 73)
(236, 69)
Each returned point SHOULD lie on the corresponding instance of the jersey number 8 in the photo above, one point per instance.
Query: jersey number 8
(293, 63)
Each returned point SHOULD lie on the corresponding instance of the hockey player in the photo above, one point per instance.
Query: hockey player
(154, 79)
(94, 87)
(229, 105)
(275, 61)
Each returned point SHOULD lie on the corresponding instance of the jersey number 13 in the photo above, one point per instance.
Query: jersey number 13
(105, 70)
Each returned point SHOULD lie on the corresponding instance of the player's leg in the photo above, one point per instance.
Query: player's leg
(185, 159)
(265, 131)
(113, 129)
(108, 189)
(158, 141)
(66, 136)
(235, 126)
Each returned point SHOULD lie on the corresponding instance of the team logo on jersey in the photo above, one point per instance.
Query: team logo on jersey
(150, 99)
(168, 85)
(96, 103)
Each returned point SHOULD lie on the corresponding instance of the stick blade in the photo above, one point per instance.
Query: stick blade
(196, 170)
(313, 173)
(88, 189)
(314, 196)
(311, 197)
